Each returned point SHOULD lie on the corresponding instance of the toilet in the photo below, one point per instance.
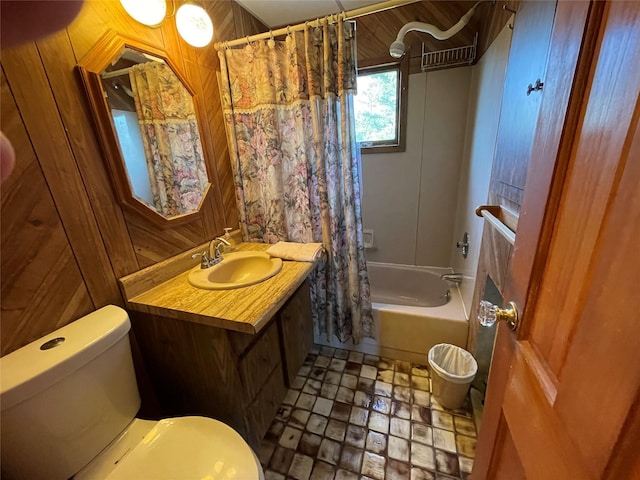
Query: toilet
(68, 403)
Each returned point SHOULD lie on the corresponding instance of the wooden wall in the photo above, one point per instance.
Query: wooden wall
(65, 240)
(519, 118)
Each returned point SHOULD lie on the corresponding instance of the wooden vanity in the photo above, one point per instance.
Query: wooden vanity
(226, 354)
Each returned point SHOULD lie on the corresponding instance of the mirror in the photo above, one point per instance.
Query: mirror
(147, 122)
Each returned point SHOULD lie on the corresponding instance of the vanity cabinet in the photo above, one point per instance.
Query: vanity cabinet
(296, 331)
(237, 378)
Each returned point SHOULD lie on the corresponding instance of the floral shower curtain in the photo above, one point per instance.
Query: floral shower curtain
(170, 138)
(288, 107)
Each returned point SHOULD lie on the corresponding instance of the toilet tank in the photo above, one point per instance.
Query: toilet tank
(60, 406)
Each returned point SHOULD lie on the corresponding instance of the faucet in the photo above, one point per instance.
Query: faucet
(209, 260)
(452, 277)
(217, 256)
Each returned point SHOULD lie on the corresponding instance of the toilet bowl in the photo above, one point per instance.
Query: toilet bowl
(175, 448)
(68, 403)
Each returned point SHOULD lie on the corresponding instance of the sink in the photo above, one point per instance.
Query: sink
(237, 269)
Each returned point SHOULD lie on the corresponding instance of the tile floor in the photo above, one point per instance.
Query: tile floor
(350, 416)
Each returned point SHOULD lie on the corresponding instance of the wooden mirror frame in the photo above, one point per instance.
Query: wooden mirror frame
(90, 68)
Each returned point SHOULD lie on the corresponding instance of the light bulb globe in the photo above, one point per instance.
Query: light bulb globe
(147, 12)
(194, 25)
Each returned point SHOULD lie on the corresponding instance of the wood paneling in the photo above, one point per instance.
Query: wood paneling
(493, 20)
(259, 361)
(377, 31)
(296, 331)
(225, 184)
(192, 367)
(86, 232)
(42, 288)
(245, 23)
(30, 87)
(197, 370)
(519, 114)
(265, 407)
(60, 63)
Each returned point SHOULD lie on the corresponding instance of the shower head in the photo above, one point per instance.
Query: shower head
(397, 48)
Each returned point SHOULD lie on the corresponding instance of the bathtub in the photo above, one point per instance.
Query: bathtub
(406, 324)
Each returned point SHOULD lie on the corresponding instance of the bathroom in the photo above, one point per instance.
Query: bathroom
(71, 240)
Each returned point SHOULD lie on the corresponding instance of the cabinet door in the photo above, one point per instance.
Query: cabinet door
(261, 412)
(296, 331)
(521, 103)
(258, 361)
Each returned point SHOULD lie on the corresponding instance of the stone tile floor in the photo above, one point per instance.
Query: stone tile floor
(351, 416)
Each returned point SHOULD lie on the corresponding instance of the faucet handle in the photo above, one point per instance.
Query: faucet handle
(205, 259)
(219, 241)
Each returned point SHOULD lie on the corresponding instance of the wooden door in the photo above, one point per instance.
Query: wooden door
(563, 400)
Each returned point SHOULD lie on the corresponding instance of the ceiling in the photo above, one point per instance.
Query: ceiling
(376, 32)
(277, 13)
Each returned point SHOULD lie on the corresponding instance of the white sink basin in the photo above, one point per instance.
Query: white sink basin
(237, 269)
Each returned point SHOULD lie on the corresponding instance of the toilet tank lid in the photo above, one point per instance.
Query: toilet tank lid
(30, 369)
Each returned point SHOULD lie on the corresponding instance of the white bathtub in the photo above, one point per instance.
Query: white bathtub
(405, 331)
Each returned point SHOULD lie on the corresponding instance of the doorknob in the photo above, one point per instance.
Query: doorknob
(488, 314)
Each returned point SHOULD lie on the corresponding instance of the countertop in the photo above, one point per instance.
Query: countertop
(163, 289)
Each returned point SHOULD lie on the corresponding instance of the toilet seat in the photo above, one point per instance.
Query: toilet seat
(189, 448)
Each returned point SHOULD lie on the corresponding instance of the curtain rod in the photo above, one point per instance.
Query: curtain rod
(116, 73)
(358, 12)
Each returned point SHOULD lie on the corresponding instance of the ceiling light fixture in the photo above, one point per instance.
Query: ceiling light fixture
(192, 20)
(194, 24)
(147, 12)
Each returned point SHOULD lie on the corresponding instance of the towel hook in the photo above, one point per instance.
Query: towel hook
(510, 10)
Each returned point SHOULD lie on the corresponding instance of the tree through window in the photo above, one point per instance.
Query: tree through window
(379, 107)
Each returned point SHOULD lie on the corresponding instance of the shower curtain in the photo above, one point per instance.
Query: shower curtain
(288, 108)
(170, 138)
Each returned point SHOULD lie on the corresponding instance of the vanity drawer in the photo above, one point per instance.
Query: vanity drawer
(259, 361)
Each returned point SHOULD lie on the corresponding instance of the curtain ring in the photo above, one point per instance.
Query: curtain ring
(289, 30)
(271, 35)
(248, 41)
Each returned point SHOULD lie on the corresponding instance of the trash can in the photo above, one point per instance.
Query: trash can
(452, 371)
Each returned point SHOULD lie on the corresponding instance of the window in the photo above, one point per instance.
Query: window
(380, 107)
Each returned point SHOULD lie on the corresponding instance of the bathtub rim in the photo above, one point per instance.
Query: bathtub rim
(448, 311)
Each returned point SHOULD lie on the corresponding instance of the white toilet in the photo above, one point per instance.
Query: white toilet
(68, 405)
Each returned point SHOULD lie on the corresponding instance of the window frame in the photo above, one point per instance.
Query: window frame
(402, 67)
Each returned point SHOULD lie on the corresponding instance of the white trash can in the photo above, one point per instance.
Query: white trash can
(452, 371)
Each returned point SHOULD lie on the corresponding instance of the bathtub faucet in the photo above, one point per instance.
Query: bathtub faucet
(452, 277)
